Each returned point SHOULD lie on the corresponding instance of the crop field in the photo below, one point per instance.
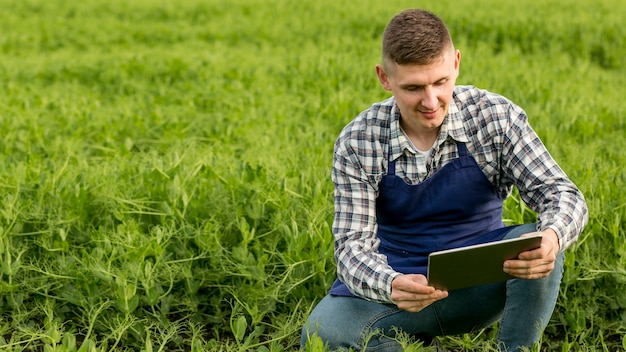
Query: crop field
(165, 165)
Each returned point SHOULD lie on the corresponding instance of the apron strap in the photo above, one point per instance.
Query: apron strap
(462, 149)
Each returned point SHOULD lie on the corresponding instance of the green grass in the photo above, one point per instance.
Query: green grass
(165, 166)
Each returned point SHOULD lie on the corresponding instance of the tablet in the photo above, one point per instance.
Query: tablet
(476, 265)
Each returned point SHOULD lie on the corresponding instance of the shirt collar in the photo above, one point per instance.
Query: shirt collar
(453, 124)
(398, 142)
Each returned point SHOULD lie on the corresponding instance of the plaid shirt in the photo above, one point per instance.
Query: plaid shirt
(496, 133)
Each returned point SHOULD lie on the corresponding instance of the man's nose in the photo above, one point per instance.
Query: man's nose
(429, 100)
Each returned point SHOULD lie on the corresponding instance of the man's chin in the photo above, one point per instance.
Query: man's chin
(433, 123)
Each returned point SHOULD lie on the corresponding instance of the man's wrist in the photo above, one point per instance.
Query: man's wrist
(553, 236)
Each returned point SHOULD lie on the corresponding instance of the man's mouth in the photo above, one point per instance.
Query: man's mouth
(429, 113)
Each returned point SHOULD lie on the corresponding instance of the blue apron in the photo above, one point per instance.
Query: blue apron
(457, 206)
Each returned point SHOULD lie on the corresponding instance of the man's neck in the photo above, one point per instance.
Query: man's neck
(423, 140)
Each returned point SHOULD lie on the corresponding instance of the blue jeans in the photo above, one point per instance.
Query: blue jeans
(523, 308)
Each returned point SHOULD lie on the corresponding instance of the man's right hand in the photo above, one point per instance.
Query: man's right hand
(411, 292)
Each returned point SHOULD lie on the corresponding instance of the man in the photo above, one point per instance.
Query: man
(428, 169)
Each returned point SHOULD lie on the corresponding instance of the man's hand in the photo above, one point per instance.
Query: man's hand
(537, 263)
(411, 292)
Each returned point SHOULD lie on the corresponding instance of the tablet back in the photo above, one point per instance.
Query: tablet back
(476, 265)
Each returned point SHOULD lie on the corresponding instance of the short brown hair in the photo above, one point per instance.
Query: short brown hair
(415, 37)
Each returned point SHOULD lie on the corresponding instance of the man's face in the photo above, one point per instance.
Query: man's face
(423, 92)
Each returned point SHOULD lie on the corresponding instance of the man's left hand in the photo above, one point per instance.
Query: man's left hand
(537, 263)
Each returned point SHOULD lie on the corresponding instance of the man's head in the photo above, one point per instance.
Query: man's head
(420, 67)
(415, 37)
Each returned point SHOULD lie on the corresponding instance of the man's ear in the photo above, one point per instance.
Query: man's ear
(383, 77)
(457, 60)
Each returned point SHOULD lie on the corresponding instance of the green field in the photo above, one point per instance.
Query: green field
(165, 165)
